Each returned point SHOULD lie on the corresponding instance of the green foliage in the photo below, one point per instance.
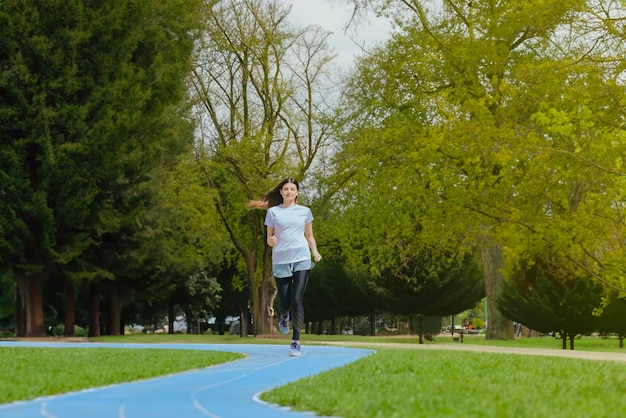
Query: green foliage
(547, 298)
(613, 315)
(58, 331)
(179, 237)
(493, 123)
(425, 383)
(260, 91)
(6, 298)
(334, 292)
(91, 106)
(84, 119)
(434, 286)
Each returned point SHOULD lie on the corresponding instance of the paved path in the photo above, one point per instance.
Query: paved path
(229, 390)
(587, 355)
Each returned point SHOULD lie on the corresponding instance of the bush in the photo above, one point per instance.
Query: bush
(79, 331)
(6, 333)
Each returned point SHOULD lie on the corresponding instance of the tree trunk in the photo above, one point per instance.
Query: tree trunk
(94, 310)
(29, 305)
(70, 309)
(115, 310)
(243, 323)
(571, 341)
(263, 306)
(498, 327)
(19, 313)
(219, 324)
(564, 341)
(263, 295)
(420, 327)
(373, 324)
(170, 317)
(191, 322)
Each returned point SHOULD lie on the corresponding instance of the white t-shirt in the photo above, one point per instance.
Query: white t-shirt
(288, 224)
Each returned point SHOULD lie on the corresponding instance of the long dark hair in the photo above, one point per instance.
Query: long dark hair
(273, 197)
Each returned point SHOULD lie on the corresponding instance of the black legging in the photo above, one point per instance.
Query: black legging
(291, 296)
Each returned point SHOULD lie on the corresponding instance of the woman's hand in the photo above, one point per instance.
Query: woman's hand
(271, 241)
(317, 257)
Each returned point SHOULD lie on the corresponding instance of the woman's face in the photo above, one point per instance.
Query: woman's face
(289, 192)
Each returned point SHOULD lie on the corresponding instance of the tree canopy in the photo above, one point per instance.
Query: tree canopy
(89, 91)
(493, 124)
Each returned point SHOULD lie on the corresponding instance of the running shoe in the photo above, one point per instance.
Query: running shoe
(294, 349)
(283, 324)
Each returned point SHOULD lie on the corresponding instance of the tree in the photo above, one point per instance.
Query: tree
(502, 110)
(264, 116)
(435, 286)
(85, 87)
(177, 243)
(548, 298)
(613, 316)
(334, 291)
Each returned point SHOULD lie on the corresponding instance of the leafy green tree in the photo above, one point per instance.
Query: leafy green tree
(333, 291)
(502, 111)
(427, 286)
(264, 115)
(85, 88)
(178, 242)
(434, 287)
(613, 316)
(548, 298)
(198, 296)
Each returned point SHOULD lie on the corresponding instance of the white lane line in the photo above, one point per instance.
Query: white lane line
(196, 393)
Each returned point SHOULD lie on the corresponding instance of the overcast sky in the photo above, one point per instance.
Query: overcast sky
(333, 15)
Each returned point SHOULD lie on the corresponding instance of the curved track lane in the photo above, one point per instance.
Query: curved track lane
(228, 390)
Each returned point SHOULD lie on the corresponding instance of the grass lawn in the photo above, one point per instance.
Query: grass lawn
(389, 383)
(430, 383)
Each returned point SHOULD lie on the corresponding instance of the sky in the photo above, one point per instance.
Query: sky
(333, 15)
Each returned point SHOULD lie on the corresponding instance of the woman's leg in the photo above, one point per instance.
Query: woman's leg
(300, 280)
(284, 294)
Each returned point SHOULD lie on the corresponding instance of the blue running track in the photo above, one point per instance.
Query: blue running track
(229, 390)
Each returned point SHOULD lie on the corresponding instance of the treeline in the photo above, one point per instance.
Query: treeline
(479, 151)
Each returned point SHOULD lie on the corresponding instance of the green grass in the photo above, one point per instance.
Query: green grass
(32, 372)
(430, 383)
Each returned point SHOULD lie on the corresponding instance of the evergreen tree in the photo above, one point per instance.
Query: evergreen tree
(550, 299)
(613, 316)
(86, 93)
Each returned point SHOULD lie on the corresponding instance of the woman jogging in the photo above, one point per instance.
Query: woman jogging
(290, 234)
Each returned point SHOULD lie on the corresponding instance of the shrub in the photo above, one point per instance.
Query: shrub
(59, 331)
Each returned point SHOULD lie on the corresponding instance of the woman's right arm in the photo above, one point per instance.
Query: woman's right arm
(271, 238)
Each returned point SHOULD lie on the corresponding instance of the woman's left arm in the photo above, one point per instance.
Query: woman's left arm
(308, 233)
